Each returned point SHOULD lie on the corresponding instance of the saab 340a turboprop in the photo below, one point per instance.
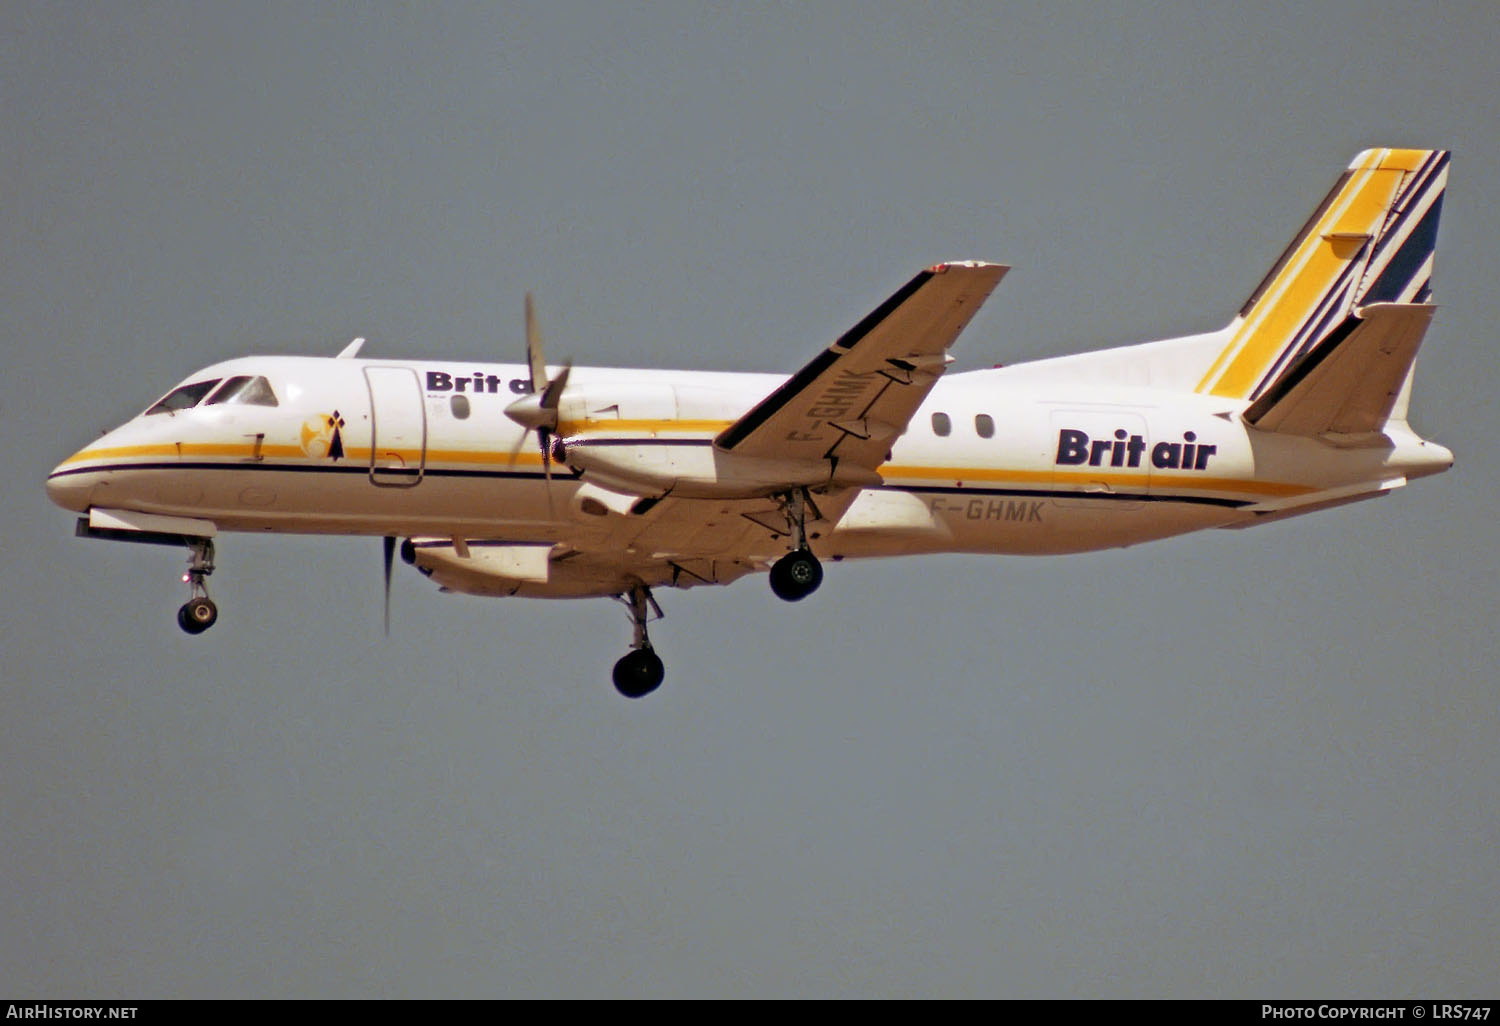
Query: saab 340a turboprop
(567, 482)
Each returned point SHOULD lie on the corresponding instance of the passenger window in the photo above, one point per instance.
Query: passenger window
(244, 391)
(984, 425)
(459, 404)
(184, 398)
(942, 426)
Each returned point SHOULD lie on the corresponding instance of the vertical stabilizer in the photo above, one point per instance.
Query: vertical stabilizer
(1370, 241)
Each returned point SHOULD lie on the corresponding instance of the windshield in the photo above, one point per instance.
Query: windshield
(245, 391)
(183, 398)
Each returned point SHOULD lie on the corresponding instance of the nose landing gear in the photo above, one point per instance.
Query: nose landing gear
(198, 613)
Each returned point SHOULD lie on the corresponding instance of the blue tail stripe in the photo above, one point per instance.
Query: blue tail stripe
(1406, 205)
(1408, 260)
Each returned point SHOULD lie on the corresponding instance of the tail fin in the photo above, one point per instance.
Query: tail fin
(1370, 241)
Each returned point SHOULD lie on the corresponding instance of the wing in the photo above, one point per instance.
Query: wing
(847, 406)
(850, 403)
(678, 543)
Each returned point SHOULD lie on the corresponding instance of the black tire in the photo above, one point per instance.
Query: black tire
(198, 615)
(638, 673)
(796, 575)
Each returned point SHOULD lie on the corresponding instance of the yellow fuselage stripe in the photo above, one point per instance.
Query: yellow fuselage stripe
(606, 424)
(890, 472)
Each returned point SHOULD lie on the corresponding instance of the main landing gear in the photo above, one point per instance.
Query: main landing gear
(198, 613)
(797, 574)
(640, 671)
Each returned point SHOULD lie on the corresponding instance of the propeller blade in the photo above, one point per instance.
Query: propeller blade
(538, 411)
(515, 451)
(545, 437)
(534, 349)
(390, 554)
(552, 394)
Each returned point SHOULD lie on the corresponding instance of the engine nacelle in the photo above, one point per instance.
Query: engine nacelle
(649, 440)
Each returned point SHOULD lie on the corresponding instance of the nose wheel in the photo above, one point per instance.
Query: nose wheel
(197, 616)
(198, 613)
(640, 671)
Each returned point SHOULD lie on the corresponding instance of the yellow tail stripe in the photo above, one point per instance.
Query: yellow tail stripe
(1321, 257)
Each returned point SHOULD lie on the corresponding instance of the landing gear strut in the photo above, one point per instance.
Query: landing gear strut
(639, 672)
(198, 613)
(797, 574)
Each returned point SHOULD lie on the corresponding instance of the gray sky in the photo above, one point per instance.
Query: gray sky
(1234, 764)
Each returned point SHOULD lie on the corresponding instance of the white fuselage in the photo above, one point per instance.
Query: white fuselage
(995, 461)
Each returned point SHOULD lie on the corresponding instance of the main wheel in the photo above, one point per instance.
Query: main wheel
(638, 673)
(198, 615)
(796, 575)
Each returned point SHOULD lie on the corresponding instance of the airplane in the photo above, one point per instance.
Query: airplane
(550, 481)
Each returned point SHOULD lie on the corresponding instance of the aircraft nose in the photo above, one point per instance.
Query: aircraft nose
(70, 490)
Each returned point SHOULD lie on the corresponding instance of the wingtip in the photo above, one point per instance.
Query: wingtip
(947, 265)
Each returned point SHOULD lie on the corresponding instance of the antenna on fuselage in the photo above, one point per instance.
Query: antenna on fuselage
(349, 351)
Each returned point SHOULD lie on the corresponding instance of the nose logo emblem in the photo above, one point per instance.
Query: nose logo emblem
(322, 436)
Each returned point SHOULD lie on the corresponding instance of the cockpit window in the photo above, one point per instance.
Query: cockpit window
(244, 391)
(184, 398)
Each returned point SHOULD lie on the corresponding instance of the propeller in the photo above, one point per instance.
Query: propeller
(537, 411)
(390, 553)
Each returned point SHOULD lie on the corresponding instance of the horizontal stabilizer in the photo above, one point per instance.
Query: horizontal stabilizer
(1350, 383)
